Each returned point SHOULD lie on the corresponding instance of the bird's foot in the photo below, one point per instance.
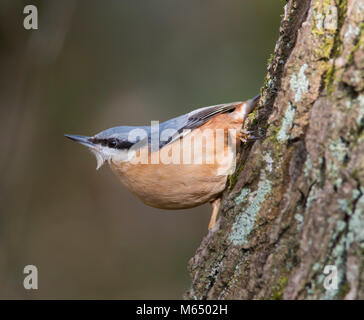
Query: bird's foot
(215, 210)
(246, 136)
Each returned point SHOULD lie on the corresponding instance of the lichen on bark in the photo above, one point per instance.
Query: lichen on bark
(296, 203)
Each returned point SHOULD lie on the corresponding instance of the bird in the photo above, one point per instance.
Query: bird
(176, 164)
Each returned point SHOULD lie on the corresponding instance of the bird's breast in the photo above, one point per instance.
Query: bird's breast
(186, 173)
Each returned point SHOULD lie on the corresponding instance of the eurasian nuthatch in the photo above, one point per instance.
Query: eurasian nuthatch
(179, 163)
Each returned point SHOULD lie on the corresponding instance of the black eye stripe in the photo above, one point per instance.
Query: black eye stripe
(113, 143)
(125, 144)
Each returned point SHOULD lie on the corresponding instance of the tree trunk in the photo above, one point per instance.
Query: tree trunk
(292, 218)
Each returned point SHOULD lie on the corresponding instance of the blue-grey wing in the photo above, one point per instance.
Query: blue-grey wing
(194, 119)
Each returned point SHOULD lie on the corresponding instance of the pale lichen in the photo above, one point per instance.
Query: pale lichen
(338, 152)
(308, 166)
(243, 196)
(344, 235)
(351, 32)
(360, 117)
(356, 223)
(299, 83)
(269, 161)
(287, 123)
(331, 18)
(313, 196)
(299, 218)
(337, 259)
(344, 205)
(316, 266)
(245, 221)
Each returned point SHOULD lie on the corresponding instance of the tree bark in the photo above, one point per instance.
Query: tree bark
(295, 204)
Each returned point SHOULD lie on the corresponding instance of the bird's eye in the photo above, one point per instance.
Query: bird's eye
(112, 143)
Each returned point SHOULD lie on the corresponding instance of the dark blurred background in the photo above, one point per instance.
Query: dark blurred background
(92, 65)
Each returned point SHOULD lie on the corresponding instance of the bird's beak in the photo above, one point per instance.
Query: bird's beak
(92, 147)
(81, 139)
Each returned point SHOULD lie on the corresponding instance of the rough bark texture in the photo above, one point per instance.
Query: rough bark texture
(296, 203)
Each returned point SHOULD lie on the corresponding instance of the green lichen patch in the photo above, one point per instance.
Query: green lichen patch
(342, 6)
(328, 19)
(324, 27)
(233, 178)
(329, 78)
(344, 289)
(279, 287)
(271, 143)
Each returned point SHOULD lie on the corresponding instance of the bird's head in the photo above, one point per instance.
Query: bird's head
(115, 144)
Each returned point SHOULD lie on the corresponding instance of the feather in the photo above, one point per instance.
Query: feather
(99, 158)
(195, 119)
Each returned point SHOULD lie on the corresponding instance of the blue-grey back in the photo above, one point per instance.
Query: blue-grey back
(176, 126)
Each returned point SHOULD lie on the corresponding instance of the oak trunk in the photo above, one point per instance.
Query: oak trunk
(293, 214)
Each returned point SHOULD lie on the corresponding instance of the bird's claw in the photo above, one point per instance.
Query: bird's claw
(246, 136)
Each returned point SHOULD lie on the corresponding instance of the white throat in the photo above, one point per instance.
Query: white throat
(103, 153)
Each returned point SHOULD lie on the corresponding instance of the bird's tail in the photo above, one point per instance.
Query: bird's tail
(242, 112)
(252, 103)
